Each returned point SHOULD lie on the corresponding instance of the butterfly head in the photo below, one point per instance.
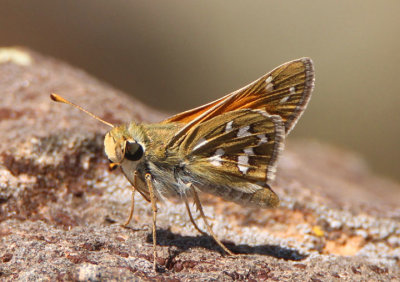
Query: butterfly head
(125, 143)
(122, 143)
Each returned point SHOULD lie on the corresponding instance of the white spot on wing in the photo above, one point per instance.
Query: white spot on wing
(243, 163)
(263, 139)
(216, 159)
(284, 100)
(228, 126)
(248, 151)
(244, 131)
(270, 85)
(201, 142)
(292, 90)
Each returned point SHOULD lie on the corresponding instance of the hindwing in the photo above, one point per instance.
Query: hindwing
(241, 145)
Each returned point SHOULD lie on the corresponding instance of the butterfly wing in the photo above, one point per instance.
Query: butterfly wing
(240, 148)
(285, 91)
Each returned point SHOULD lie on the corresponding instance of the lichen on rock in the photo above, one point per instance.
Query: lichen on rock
(60, 207)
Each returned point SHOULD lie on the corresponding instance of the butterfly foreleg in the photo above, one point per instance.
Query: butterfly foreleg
(200, 208)
(154, 208)
(132, 201)
(192, 219)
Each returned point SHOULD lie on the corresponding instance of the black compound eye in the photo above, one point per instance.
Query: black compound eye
(133, 151)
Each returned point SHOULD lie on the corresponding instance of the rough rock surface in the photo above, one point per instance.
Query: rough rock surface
(60, 207)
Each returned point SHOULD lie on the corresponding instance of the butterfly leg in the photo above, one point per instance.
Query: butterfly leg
(192, 219)
(154, 207)
(133, 200)
(198, 204)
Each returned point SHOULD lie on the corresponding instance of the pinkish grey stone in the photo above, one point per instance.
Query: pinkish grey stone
(60, 206)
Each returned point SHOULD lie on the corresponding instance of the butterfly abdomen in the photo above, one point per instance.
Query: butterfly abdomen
(263, 197)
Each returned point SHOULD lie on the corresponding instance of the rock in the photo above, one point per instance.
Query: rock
(60, 206)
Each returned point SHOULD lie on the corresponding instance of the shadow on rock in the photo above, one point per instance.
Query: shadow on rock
(183, 243)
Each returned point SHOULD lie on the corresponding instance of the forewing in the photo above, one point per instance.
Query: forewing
(235, 148)
(285, 92)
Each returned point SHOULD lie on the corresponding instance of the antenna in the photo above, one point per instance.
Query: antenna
(60, 99)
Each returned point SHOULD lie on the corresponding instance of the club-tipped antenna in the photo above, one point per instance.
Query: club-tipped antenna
(58, 98)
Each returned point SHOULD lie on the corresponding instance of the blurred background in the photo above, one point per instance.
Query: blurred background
(175, 55)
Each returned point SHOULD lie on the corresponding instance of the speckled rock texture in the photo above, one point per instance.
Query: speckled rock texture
(60, 206)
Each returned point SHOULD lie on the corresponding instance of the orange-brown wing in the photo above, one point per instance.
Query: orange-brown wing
(285, 91)
(187, 116)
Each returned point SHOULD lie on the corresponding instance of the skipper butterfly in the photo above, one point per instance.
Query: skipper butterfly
(228, 147)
